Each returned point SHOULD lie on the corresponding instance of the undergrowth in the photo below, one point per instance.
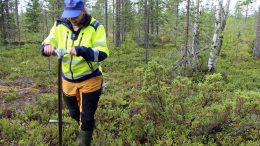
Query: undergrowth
(144, 104)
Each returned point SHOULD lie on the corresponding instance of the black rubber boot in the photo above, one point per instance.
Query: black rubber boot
(84, 138)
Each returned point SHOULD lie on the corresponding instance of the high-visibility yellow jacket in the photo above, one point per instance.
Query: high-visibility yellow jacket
(89, 42)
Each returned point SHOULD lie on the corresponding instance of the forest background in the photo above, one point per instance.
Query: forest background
(180, 72)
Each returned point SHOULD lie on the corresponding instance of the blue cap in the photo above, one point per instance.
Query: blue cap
(72, 8)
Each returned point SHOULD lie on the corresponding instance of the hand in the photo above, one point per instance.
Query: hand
(49, 50)
(73, 51)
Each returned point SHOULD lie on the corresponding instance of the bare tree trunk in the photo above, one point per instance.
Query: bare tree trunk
(223, 25)
(148, 16)
(7, 18)
(118, 22)
(256, 50)
(2, 26)
(152, 16)
(106, 18)
(139, 26)
(125, 21)
(177, 22)
(123, 18)
(17, 20)
(246, 13)
(113, 20)
(157, 17)
(185, 51)
(146, 29)
(212, 62)
(195, 39)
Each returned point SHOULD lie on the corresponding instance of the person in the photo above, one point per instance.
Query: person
(85, 40)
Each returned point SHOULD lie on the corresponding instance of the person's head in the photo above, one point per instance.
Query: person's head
(74, 11)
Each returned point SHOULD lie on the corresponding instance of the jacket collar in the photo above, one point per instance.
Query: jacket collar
(65, 22)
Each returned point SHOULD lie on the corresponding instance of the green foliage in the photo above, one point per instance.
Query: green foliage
(11, 131)
(54, 9)
(211, 90)
(144, 104)
(205, 111)
(9, 97)
(33, 12)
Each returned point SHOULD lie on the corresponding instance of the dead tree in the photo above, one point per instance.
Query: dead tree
(185, 55)
(185, 50)
(195, 39)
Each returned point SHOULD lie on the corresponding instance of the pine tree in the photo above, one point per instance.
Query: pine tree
(8, 27)
(33, 12)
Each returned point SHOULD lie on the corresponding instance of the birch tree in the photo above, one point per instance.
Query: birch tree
(215, 41)
(256, 50)
(223, 25)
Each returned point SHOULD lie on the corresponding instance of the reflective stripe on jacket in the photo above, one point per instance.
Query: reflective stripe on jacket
(89, 42)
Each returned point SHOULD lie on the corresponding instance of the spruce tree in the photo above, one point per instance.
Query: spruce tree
(33, 12)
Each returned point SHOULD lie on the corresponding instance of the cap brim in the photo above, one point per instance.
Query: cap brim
(70, 13)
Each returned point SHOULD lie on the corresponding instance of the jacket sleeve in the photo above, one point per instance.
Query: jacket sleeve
(50, 40)
(99, 51)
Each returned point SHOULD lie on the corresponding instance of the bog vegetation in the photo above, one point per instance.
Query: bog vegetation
(153, 97)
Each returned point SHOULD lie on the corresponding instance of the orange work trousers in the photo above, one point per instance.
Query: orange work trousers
(82, 99)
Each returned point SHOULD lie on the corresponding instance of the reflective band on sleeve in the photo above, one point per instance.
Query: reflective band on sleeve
(100, 44)
(96, 53)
